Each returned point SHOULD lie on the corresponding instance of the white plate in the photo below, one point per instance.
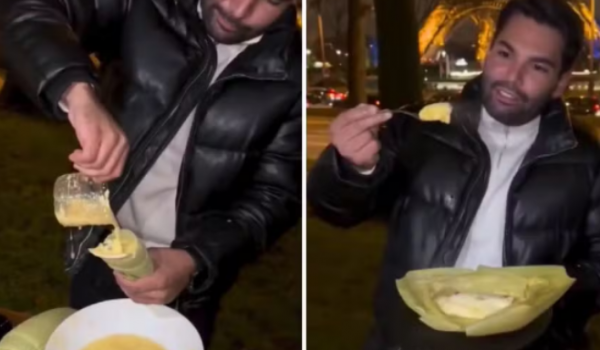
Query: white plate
(158, 323)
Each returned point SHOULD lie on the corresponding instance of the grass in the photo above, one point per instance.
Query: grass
(263, 311)
(343, 266)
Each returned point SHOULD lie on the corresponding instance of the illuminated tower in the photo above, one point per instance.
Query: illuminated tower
(449, 13)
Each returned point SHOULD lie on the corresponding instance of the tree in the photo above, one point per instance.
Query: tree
(318, 6)
(357, 51)
(400, 80)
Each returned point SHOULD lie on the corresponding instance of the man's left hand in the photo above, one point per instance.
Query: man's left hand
(173, 269)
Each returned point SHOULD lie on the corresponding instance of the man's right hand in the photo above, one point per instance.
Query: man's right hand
(354, 134)
(104, 147)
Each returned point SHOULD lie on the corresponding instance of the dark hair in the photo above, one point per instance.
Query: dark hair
(557, 14)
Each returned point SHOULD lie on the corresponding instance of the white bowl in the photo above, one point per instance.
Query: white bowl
(158, 323)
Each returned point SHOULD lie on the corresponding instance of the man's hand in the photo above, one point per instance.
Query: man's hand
(173, 271)
(104, 147)
(354, 134)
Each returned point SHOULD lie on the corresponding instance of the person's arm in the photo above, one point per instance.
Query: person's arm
(343, 195)
(269, 206)
(46, 44)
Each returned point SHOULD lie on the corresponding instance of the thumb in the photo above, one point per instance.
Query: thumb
(89, 146)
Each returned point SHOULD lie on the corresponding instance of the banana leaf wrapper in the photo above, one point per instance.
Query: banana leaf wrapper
(535, 289)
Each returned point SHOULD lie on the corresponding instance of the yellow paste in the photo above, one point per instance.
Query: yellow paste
(123, 342)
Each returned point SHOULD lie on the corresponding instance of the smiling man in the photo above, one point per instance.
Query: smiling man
(195, 119)
(508, 181)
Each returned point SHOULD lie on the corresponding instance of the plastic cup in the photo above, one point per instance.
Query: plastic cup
(79, 201)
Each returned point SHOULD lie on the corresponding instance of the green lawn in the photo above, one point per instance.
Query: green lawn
(262, 312)
(342, 269)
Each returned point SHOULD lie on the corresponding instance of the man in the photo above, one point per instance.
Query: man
(195, 120)
(507, 182)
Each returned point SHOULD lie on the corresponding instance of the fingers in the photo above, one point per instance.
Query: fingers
(109, 165)
(104, 149)
(354, 134)
(143, 285)
(366, 157)
(90, 146)
(361, 111)
(366, 124)
(108, 146)
(146, 290)
(354, 114)
(367, 151)
(360, 141)
(115, 167)
(151, 298)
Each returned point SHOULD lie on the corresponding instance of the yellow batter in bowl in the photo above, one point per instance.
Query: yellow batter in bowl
(123, 342)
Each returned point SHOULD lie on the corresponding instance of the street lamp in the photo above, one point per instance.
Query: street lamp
(592, 39)
(322, 40)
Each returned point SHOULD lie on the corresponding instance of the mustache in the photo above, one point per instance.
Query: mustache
(510, 87)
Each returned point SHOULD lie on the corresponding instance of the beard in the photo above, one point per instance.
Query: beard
(223, 28)
(516, 110)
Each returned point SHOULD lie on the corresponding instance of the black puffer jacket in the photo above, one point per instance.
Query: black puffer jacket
(240, 182)
(432, 178)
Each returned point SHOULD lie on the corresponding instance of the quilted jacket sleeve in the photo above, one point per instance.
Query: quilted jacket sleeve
(45, 44)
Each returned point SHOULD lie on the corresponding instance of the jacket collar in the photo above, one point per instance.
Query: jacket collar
(276, 56)
(556, 132)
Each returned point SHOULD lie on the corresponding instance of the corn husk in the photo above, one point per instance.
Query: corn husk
(33, 334)
(535, 289)
(133, 261)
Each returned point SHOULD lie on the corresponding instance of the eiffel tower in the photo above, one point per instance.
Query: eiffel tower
(483, 13)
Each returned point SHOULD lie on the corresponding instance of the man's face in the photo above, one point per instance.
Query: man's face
(235, 21)
(522, 71)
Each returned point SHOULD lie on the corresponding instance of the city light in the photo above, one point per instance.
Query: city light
(461, 62)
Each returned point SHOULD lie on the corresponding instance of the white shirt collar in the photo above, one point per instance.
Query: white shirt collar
(490, 124)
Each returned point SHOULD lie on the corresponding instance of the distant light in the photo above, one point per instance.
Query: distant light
(318, 64)
(308, 52)
(338, 52)
(584, 72)
(461, 62)
(464, 73)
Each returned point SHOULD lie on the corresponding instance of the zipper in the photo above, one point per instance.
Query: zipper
(468, 222)
(501, 155)
(177, 106)
(462, 221)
